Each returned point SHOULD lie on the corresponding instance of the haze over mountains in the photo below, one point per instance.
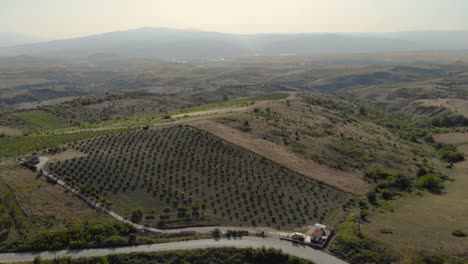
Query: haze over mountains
(162, 43)
(12, 39)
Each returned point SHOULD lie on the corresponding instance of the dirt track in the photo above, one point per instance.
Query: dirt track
(345, 181)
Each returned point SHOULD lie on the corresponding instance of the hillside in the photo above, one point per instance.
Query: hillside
(440, 99)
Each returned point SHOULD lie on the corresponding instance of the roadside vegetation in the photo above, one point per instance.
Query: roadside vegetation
(201, 256)
(352, 245)
(90, 234)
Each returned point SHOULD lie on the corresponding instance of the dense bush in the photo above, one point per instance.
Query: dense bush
(389, 184)
(449, 153)
(201, 256)
(137, 215)
(429, 258)
(398, 182)
(430, 182)
(77, 236)
(377, 173)
(456, 120)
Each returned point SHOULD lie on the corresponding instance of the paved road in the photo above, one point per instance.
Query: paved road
(304, 252)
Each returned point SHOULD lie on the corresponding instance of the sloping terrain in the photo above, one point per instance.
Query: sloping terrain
(381, 75)
(440, 99)
(331, 131)
(339, 179)
(426, 223)
(182, 176)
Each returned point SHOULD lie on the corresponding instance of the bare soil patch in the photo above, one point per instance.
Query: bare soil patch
(66, 155)
(212, 112)
(452, 138)
(10, 131)
(342, 180)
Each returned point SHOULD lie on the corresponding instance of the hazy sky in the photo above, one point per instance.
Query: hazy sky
(70, 18)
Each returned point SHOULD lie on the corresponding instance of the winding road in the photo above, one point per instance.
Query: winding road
(300, 251)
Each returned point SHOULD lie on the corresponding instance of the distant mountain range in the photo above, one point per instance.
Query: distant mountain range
(165, 43)
(8, 39)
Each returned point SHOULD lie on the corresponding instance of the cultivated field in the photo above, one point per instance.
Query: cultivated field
(339, 179)
(41, 119)
(184, 176)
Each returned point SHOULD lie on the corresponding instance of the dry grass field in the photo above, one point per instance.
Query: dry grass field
(41, 200)
(425, 223)
(453, 138)
(66, 155)
(10, 131)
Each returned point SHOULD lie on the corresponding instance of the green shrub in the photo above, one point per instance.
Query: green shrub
(37, 260)
(430, 182)
(459, 233)
(377, 174)
(429, 258)
(137, 215)
(396, 181)
(388, 194)
(449, 153)
(77, 236)
(372, 197)
(216, 233)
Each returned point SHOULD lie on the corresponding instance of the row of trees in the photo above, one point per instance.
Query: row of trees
(183, 166)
